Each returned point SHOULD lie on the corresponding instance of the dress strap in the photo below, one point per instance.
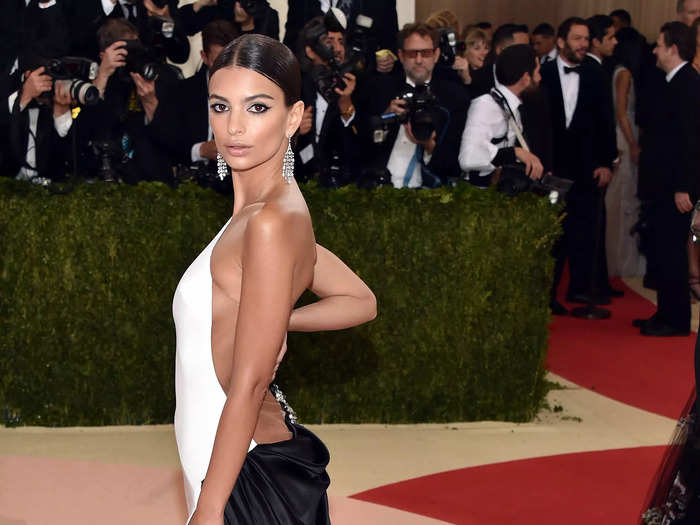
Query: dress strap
(279, 396)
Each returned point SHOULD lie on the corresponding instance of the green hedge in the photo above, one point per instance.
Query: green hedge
(461, 276)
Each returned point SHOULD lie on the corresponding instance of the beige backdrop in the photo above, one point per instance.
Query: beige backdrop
(647, 15)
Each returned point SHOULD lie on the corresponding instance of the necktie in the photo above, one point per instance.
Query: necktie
(412, 164)
(568, 69)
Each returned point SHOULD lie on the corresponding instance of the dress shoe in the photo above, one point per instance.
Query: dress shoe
(585, 298)
(656, 329)
(557, 308)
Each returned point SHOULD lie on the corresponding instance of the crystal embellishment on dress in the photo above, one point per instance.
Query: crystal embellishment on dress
(288, 164)
(279, 396)
(221, 166)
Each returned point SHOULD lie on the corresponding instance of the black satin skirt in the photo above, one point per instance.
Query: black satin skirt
(282, 483)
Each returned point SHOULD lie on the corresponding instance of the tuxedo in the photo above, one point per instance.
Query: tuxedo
(329, 137)
(672, 146)
(579, 121)
(267, 23)
(383, 12)
(606, 81)
(375, 96)
(181, 119)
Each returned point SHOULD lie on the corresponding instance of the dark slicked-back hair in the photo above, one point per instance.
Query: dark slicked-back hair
(598, 25)
(513, 62)
(543, 29)
(622, 15)
(683, 37)
(418, 28)
(266, 56)
(566, 25)
(218, 33)
(504, 34)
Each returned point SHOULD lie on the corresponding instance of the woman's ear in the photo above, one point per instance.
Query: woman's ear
(296, 113)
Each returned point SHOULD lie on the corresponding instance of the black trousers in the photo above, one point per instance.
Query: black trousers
(670, 230)
(583, 243)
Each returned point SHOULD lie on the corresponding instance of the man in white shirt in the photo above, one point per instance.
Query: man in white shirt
(490, 139)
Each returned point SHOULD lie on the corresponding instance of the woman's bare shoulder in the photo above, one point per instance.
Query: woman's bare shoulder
(281, 219)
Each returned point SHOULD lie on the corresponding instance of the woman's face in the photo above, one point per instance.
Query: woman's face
(476, 53)
(249, 117)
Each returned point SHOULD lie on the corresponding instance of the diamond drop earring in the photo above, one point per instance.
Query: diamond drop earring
(288, 165)
(221, 167)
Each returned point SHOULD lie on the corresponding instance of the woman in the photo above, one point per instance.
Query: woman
(245, 460)
(621, 199)
(470, 64)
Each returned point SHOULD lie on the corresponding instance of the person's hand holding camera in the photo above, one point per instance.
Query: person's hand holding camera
(208, 150)
(385, 64)
(461, 65)
(397, 106)
(306, 120)
(62, 100)
(533, 166)
(146, 91)
(111, 58)
(35, 83)
(428, 145)
(345, 100)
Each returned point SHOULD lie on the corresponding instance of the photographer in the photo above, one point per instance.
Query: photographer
(40, 120)
(490, 140)
(250, 16)
(181, 120)
(114, 134)
(328, 142)
(157, 22)
(395, 104)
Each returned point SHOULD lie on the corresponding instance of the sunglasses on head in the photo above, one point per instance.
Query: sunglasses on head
(413, 53)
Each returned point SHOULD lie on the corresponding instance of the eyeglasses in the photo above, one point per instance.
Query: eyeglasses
(413, 53)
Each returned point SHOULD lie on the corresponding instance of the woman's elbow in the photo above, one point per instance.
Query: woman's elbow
(371, 306)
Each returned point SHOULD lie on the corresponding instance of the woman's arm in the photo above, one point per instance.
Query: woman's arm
(346, 300)
(269, 256)
(622, 89)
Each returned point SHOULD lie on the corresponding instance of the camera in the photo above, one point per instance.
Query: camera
(161, 25)
(422, 105)
(139, 60)
(513, 181)
(449, 46)
(205, 175)
(77, 74)
(329, 78)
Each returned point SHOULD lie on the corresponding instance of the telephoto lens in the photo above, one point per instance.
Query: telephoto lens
(84, 93)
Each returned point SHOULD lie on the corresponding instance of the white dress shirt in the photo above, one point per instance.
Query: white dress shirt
(401, 155)
(552, 55)
(195, 153)
(486, 121)
(569, 89)
(108, 7)
(673, 72)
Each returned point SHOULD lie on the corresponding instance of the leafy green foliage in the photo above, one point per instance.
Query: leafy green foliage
(461, 276)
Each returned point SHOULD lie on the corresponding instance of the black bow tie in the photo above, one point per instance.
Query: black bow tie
(568, 69)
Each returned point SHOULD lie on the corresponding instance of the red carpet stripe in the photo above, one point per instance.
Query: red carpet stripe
(574, 489)
(611, 358)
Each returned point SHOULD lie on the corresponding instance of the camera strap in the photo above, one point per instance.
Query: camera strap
(510, 117)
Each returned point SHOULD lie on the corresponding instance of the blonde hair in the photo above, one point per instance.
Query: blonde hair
(475, 35)
(444, 18)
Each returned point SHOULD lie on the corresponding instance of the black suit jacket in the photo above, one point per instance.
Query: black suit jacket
(334, 139)
(584, 146)
(182, 117)
(377, 92)
(671, 142)
(383, 12)
(606, 81)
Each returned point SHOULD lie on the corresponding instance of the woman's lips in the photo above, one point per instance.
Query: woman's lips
(238, 150)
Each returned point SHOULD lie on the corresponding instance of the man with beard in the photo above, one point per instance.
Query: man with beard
(414, 161)
(489, 141)
(582, 154)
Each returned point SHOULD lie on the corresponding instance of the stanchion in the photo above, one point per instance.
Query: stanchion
(591, 311)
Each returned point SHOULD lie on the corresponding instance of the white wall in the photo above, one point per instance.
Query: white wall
(406, 10)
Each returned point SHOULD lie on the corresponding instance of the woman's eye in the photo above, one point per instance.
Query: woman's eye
(258, 108)
(218, 107)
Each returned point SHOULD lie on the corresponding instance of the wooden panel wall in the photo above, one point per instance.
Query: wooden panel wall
(647, 15)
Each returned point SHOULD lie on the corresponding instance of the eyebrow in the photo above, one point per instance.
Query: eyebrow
(247, 99)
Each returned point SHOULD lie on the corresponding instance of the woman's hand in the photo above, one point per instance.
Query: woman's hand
(203, 518)
(635, 151)
(461, 65)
